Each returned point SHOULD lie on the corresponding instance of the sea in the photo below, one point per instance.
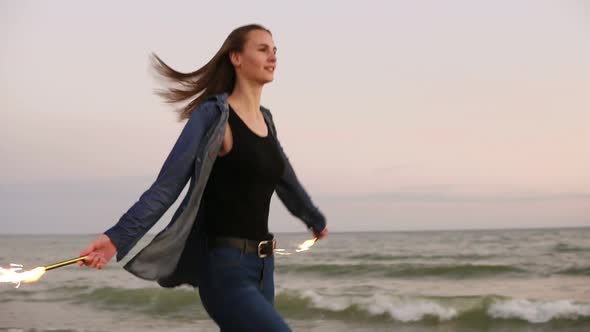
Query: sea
(435, 281)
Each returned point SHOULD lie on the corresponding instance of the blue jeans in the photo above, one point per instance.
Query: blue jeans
(237, 291)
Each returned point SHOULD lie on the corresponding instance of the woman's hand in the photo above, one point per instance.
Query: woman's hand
(321, 234)
(99, 251)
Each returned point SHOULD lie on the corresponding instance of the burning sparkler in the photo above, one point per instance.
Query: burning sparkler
(301, 247)
(306, 245)
(14, 275)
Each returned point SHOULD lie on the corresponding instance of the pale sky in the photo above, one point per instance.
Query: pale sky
(396, 115)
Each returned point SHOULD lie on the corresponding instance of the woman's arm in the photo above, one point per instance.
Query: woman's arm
(294, 196)
(173, 176)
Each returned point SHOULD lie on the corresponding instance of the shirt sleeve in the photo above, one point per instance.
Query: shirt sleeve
(294, 196)
(172, 178)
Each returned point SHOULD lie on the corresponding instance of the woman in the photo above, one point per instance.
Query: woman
(218, 239)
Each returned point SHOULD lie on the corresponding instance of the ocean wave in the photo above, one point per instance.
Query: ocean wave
(455, 271)
(400, 309)
(55, 294)
(385, 257)
(170, 302)
(564, 247)
(576, 271)
(380, 257)
(538, 311)
(479, 310)
(379, 307)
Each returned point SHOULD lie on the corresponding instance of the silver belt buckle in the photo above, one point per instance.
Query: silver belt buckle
(260, 254)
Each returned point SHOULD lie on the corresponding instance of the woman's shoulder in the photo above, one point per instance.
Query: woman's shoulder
(208, 109)
(268, 115)
(266, 110)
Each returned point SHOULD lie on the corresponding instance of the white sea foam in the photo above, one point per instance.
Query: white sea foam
(399, 308)
(538, 311)
(409, 310)
(328, 303)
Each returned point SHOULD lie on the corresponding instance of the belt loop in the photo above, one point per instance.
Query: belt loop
(245, 243)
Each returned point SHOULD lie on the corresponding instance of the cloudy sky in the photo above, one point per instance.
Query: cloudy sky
(397, 115)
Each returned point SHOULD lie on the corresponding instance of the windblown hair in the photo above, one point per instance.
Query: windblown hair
(217, 76)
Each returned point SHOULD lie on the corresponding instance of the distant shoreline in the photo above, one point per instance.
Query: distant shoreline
(348, 231)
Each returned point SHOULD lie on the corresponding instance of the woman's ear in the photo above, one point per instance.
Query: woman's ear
(235, 58)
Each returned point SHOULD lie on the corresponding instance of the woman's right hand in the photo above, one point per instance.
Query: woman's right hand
(100, 251)
(322, 234)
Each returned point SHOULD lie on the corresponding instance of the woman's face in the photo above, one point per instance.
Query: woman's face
(257, 62)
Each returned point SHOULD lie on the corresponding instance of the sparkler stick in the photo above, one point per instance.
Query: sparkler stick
(64, 263)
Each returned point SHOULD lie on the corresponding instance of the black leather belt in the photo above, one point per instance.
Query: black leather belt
(262, 248)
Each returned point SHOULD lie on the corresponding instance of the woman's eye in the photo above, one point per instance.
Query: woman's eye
(265, 51)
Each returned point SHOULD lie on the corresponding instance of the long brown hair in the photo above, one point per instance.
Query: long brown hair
(217, 76)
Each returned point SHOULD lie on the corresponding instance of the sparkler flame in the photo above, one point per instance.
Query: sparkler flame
(301, 247)
(13, 275)
(282, 252)
(306, 245)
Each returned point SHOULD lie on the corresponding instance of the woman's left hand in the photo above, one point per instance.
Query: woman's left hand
(321, 234)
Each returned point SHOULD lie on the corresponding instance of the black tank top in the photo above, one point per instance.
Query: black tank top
(237, 196)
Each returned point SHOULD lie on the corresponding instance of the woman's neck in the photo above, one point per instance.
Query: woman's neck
(247, 98)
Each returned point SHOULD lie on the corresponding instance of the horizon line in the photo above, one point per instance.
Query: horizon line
(361, 231)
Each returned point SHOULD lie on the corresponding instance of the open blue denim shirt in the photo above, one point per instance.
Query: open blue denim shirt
(172, 257)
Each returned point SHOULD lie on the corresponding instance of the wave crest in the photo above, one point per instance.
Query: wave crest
(405, 309)
(538, 311)
(456, 271)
